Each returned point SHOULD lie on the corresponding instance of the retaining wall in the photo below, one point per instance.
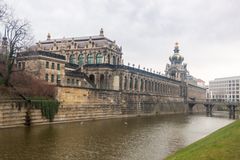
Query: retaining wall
(81, 104)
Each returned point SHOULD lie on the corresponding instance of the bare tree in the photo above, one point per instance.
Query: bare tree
(3, 15)
(3, 10)
(17, 36)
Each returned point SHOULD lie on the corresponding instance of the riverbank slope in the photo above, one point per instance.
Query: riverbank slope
(223, 144)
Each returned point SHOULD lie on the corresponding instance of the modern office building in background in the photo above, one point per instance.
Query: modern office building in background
(226, 89)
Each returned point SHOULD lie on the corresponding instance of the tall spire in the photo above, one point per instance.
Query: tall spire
(4, 38)
(5, 32)
(176, 49)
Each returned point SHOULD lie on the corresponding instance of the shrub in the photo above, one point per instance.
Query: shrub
(27, 85)
(32, 87)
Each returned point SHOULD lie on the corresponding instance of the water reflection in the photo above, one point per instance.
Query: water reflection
(141, 138)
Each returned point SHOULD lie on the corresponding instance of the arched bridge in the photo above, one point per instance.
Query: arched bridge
(210, 103)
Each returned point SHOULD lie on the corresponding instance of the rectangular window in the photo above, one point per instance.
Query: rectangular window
(47, 64)
(52, 78)
(72, 81)
(53, 65)
(68, 81)
(58, 77)
(46, 77)
(58, 67)
(77, 82)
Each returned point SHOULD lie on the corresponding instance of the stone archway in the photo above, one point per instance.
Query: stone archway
(108, 59)
(92, 78)
(141, 85)
(131, 83)
(125, 83)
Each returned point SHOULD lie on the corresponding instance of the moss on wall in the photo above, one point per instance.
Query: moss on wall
(48, 107)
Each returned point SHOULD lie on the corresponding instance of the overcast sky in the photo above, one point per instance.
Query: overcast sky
(208, 31)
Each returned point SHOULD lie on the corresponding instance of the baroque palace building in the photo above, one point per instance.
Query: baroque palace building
(97, 62)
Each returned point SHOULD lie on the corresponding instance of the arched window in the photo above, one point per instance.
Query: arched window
(118, 61)
(90, 59)
(161, 88)
(92, 78)
(141, 85)
(102, 86)
(146, 87)
(72, 59)
(99, 58)
(165, 89)
(136, 84)
(156, 87)
(131, 83)
(152, 86)
(81, 59)
(108, 57)
(125, 83)
(114, 60)
(149, 86)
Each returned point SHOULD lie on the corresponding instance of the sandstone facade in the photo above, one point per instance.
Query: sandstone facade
(93, 82)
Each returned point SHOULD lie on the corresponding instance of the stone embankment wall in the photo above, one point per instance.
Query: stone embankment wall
(79, 104)
(196, 92)
(11, 115)
(124, 102)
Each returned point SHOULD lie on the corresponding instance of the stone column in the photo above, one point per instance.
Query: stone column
(128, 83)
(97, 80)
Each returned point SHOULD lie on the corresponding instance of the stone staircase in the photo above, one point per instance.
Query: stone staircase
(13, 116)
(76, 113)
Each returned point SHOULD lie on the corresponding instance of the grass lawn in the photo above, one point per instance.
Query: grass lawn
(224, 144)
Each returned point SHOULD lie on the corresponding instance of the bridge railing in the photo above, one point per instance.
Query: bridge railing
(216, 101)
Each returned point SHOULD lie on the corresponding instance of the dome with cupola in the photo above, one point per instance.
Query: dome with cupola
(176, 58)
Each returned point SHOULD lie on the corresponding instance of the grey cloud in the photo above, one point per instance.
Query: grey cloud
(148, 29)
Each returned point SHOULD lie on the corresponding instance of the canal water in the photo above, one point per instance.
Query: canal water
(139, 138)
